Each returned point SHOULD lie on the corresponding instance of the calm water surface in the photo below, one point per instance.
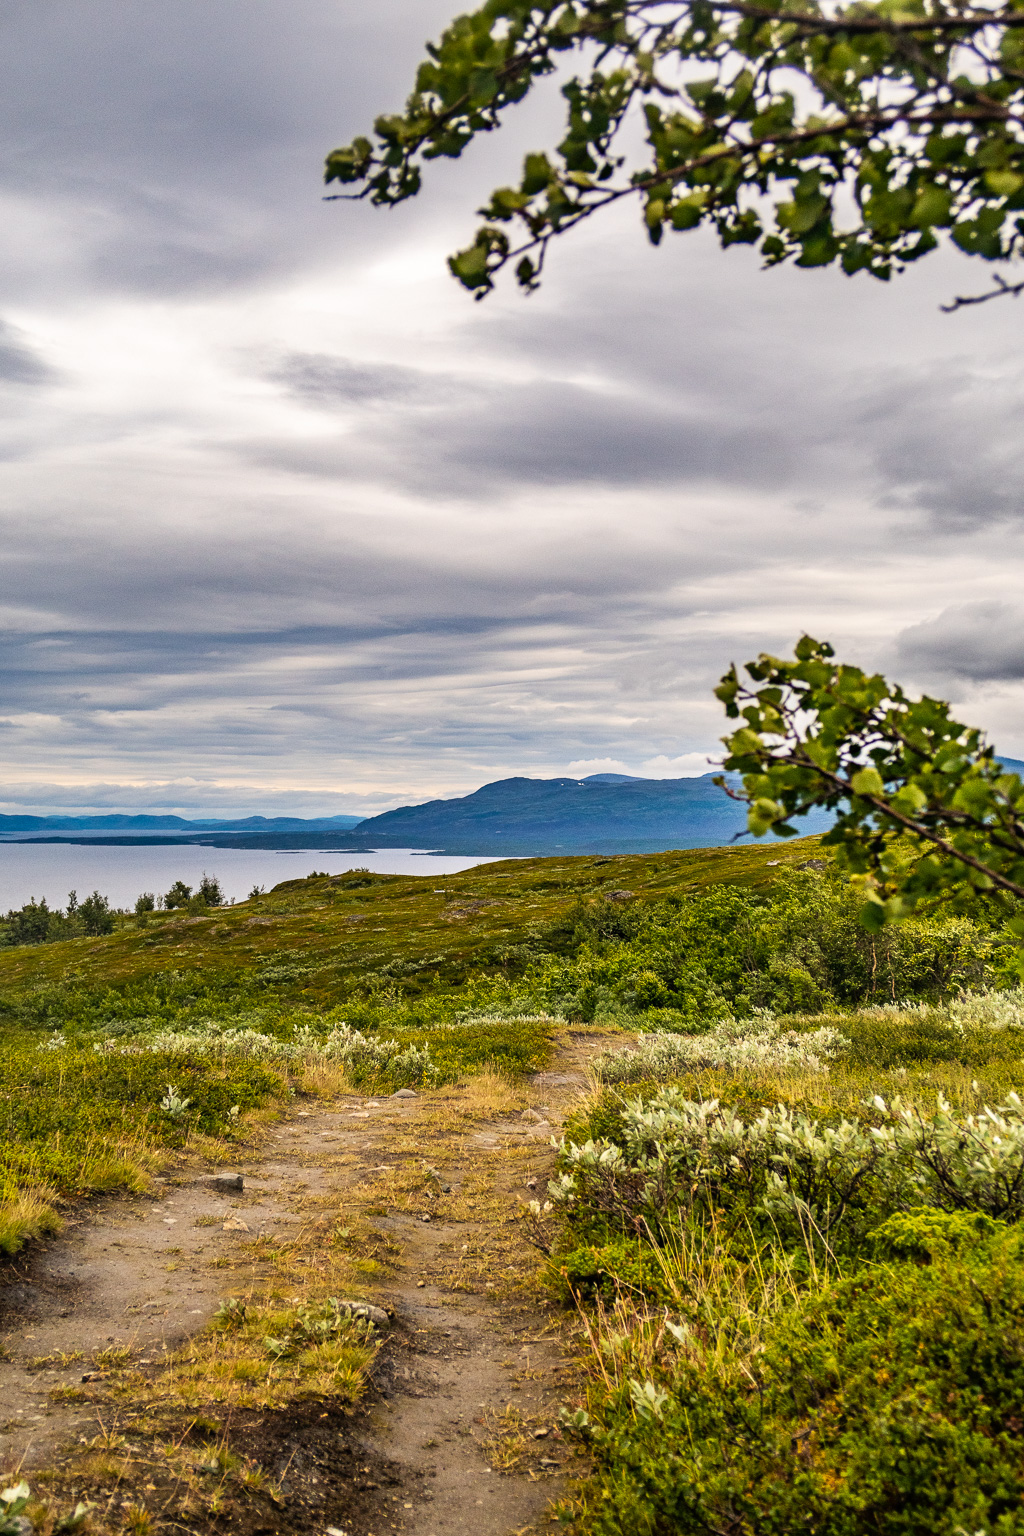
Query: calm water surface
(53, 869)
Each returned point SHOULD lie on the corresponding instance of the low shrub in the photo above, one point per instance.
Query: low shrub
(609, 1268)
(721, 952)
(814, 1187)
(808, 1296)
(889, 1400)
(759, 1043)
(409, 1057)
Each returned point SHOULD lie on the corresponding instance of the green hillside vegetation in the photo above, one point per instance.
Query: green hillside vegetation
(799, 1250)
(180, 1021)
(788, 1213)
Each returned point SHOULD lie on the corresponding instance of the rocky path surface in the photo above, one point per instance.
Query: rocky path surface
(459, 1431)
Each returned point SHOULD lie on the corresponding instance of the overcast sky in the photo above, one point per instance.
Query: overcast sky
(293, 526)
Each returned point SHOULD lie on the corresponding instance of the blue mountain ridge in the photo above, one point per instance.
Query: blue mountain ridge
(604, 813)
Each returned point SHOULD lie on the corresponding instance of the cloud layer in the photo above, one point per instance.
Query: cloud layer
(288, 521)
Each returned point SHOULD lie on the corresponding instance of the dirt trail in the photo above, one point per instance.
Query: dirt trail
(459, 1432)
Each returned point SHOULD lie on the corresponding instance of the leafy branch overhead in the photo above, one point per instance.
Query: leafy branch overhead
(820, 133)
(923, 808)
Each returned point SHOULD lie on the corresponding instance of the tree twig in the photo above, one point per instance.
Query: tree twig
(1001, 289)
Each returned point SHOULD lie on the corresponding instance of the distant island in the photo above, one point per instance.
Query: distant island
(605, 813)
(141, 829)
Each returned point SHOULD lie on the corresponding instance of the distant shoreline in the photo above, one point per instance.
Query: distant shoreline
(483, 846)
(325, 841)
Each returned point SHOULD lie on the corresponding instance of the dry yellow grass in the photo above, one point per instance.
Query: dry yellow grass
(26, 1213)
(485, 1095)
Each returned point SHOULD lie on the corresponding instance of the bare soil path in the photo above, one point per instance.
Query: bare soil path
(458, 1432)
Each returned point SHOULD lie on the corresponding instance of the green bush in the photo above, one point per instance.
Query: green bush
(77, 1121)
(608, 1268)
(37, 923)
(811, 1184)
(798, 947)
(811, 1292)
(54, 1101)
(889, 1401)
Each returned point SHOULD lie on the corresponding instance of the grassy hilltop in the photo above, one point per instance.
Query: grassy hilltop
(321, 922)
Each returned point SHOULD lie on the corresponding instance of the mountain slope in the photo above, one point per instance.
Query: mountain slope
(602, 814)
(605, 813)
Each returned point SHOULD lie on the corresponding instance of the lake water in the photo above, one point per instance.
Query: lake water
(53, 869)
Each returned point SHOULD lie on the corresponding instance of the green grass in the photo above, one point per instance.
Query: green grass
(702, 933)
(321, 941)
(638, 940)
(75, 1121)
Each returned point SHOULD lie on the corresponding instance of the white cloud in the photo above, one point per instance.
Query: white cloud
(191, 798)
(587, 765)
(689, 765)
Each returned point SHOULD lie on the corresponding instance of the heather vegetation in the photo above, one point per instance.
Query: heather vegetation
(391, 984)
(788, 1211)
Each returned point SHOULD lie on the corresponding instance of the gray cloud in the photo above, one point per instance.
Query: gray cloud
(187, 797)
(329, 381)
(981, 642)
(949, 441)
(19, 363)
(825, 382)
(942, 440)
(296, 519)
(449, 434)
(178, 149)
